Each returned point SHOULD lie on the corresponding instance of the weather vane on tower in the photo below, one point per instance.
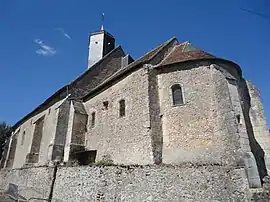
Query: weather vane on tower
(103, 19)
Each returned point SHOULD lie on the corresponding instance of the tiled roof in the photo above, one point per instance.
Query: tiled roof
(144, 59)
(170, 52)
(147, 57)
(182, 52)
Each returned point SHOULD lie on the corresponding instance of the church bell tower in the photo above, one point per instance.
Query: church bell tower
(100, 44)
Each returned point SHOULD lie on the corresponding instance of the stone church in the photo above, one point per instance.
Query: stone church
(175, 105)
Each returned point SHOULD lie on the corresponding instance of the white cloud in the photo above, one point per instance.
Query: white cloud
(64, 33)
(44, 49)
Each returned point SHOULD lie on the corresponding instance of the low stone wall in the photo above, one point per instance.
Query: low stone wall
(134, 183)
(31, 182)
(150, 183)
(260, 195)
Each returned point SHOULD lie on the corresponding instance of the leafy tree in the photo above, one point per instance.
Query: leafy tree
(5, 133)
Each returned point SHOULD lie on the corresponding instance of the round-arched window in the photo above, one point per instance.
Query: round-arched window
(177, 94)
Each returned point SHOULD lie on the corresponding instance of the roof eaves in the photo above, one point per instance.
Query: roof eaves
(238, 68)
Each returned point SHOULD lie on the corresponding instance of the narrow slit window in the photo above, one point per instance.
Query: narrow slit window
(23, 137)
(238, 118)
(122, 108)
(93, 119)
(177, 94)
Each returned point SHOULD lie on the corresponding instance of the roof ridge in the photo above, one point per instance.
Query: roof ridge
(164, 44)
(130, 66)
(156, 48)
(168, 55)
(185, 45)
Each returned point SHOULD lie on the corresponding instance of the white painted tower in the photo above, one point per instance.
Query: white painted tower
(100, 44)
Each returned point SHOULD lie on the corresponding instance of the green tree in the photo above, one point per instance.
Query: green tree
(5, 133)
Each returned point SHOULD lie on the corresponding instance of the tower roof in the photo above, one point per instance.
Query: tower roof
(101, 32)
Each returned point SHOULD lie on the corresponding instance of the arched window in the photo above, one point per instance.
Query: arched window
(177, 94)
(122, 108)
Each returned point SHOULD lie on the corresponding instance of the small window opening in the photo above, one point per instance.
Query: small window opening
(105, 104)
(238, 118)
(122, 106)
(177, 94)
(93, 119)
(49, 111)
(23, 137)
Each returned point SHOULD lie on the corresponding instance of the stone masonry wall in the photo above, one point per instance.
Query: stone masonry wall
(150, 183)
(259, 123)
(202, 130)
(31, 182)
(75, 141)
(155, 116)
(12, 151)
(87, 81)
(33, 156)
(240, 119)
(129, 183)
(124, 140)
(49, 128)
(59, 142)
(242, 133)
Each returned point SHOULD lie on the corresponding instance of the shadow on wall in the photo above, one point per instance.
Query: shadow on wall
(85, 157)
(254, 145)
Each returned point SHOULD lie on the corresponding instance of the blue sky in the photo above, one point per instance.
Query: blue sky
(44, 44)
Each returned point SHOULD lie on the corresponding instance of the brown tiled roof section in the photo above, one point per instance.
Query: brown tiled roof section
(177, 55)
